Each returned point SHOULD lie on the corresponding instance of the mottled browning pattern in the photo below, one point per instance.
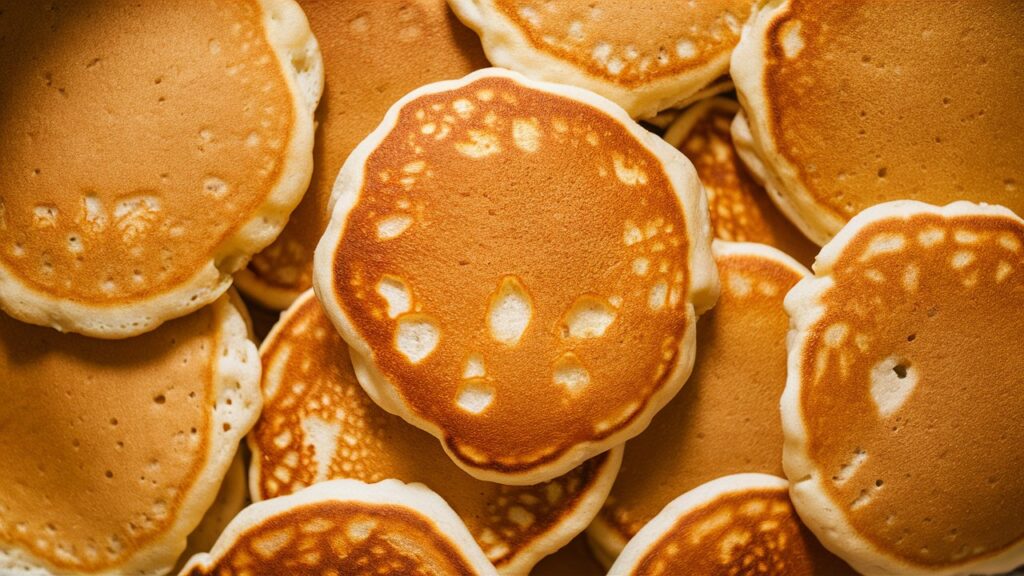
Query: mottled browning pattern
(410, 43)
(954, 133)
(341, 539)
(602, 37)
(110, 436)
(741, 210)
(931, 305)
(308, 370)
(127, 162)
(492, 190)
(725, 420)
(741, 534)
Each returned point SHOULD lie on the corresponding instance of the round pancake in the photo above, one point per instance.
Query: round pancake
(409, 44)
(726, 419)
(740, 524)
(231, 499)
(851, 104)
(346, 527)
(142, 170)
(740, 208)
(498, 247)
(113, 450)
(902, 406)
(318, 424)
(644, 58)
(573, 559)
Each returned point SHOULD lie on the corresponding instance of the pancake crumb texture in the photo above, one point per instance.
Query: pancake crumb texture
(139, 174)
(901, 412)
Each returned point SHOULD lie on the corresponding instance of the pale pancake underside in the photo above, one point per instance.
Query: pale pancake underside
(288, 34)
(700, 295)
(807, 306)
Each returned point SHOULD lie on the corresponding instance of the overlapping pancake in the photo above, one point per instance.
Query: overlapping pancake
(148, 150)
(374, 53)
(113, 450)
(740, 208)
(318, 424)
(902, 406)
(851, 104)
(517, 268)
(726, 419)
(231, 499)
(742, 524)
(573, 559)
(645, 57)
(346, 527)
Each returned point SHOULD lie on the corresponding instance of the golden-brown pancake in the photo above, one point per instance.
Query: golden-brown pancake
(232, 497)
(318, 424)
(903, 401)
(374, 53)
(346, 527)
(645, 57)
(726, 419)
(742, 524)
(854, 103)
(113, 450)
(148, 150)
(573, 559)
(499, 248)
(740, 208)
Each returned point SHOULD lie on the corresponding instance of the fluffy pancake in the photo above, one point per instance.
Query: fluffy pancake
(851, 104)
(740, 209)
(739, 524)
(374, 53)
(318, 424)
(346, 527)
(231, 499)
(573, 559)
(726, 419)
(113, 450)
(149, 150)
(498, 247)
(643, 57)
(902, 406)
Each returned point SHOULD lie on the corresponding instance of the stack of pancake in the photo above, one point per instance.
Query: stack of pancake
(534, 287)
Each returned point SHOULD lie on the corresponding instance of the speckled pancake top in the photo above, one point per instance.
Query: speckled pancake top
(911, 386)
(341, 537)
(873, 102)
(137, 138)
(409, 44)
(318, 424)
(630, 43)
(509, 249)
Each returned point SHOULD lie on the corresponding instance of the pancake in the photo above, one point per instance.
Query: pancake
(740, 208)
(346, 527)
(726, 419)
(573, 559)
(666, 117)
(374, 53)
(739, 524)
(318, 424)
(113, 450)
(231, 499)
(149, 150)
(851, 104)
(902, 407)
(644, 58)
(498, 248)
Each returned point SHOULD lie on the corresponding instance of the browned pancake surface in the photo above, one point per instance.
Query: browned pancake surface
(374, 53)
(491, 195)
(137, 138)
(899, 100)
(936, 320)
(318, 389)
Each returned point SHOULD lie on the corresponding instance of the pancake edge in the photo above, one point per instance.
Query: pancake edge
(701, 295)
(660, 525)
(205, 533)
(287, 32)
(237, 376)
(816, 509)
(415, 497)
(506, 46)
